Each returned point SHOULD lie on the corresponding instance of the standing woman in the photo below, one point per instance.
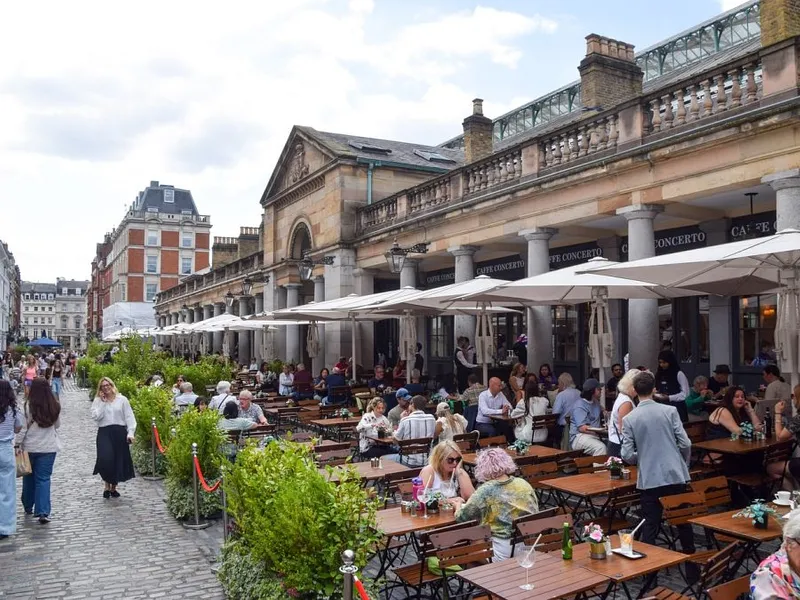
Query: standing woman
(10, 423)
(56, 375)
(671, 383)
(115, 428)
(39, 438)
(623, 404)
(29, 373)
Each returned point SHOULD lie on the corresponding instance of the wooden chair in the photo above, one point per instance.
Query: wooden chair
(678, 510)
(339, 395)
(542, 514)
(414, 446)
(738, 589)
(331, 447)
(465, 446)
(327, 412)
(550, 528)
(713, 571)
(618, 506)
(465, 548)
(333, 458)
(587, 464)
(547, 422)
(392, 484)
(535, 474)
(777, 453)
(566, 461)
(492, 442)
(471, 438)
(717, 491)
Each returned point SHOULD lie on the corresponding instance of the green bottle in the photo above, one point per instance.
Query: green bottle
(566, 543)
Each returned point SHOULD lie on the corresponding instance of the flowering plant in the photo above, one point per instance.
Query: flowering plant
(344, 413)
(437, 397)
(521, 446)
(758, 511)
(613, 463)
(595, 533)
(747, 430)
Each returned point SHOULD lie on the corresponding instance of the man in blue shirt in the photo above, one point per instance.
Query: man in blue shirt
(336, 380)
(586, 413)
(565, 399)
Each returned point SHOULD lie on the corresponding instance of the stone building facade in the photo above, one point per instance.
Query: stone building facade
(71, 314)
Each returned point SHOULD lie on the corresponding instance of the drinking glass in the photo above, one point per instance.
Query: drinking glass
(795, 499)
(626, 541)
(526, 557)
(423, 496)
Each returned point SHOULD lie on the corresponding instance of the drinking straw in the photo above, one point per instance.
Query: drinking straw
(633, 533)
(527, 556)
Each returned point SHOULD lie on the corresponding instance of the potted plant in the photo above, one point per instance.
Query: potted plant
(344, 413)
(594, 535)
(747, 431)
(758, 512)
(520, 447)
(614, 465)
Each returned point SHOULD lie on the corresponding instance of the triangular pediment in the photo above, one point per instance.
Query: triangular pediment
(302, 156)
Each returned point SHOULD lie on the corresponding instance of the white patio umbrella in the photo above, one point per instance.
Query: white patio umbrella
(312, 341)
(408, 342)
(207, 325)
(737, 268)
(484, 343)
(226, 343)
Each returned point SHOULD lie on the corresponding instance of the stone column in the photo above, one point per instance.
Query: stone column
(409, 277)
(258, 335)
(643, 338)
(198, 313)
(339, 282)
(293, 347)
(787, 198)
(720, 335)
(318, 362)
(244, 336)
(540, 318)
(464, 271)
(173, 340)
(208, 312)
(217, 336)
(364, 286)
(188, 316)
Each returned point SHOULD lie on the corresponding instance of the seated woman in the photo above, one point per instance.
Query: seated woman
(728, 418)
(321, 384)
(778, 575)
(373, 420)
(516, 381)
(444, 473)
(501, 499)
(532, 405)
(266, 378)
(231, 421)
(447, 423)
(698, 396)
(546, 377)
(399, 374)
(784, 432)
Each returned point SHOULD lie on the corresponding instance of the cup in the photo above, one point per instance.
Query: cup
(626, 541)
(795, 500)
(783, 496)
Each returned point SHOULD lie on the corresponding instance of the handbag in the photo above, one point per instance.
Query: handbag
(23, 464)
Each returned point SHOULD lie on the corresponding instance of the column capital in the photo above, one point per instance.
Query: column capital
(783, 180)
(538, 233)
(462, 250)
(292, 286)
(640, 211)
(362, 272)
(412, 262)
(319, 279)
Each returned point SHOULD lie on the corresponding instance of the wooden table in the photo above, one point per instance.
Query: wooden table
(551, 576)
(335, 422)
(392, 522)
(370, 473)
(535, 450)
(279, 410)
(383, 441)
(737, 447)
(584, 487)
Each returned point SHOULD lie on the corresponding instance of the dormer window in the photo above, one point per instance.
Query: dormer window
(169, 196)
(372, 148)
(433, 156)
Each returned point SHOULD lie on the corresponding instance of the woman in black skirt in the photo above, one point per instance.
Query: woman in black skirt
(115, 428)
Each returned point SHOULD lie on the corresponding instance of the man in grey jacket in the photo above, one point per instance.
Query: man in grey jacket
(654, 439)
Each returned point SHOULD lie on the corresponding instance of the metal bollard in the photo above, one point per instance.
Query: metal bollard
(153, 475)
(224, 510)
(348, 570)
(196, 493)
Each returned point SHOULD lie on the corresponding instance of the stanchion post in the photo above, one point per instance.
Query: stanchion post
(196, 496)
(153, 475)
(348, 570)
(224, 509)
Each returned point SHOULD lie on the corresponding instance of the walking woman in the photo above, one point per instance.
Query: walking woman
(29, 373)
(115, 428)
(39, 437)
(56, 375)
(10, 423)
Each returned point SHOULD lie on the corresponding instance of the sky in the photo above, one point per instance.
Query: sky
(98, 100)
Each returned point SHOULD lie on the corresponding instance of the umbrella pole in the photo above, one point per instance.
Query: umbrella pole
(408, 352)
(353, 344)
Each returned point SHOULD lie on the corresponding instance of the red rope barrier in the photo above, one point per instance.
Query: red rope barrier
(158, 441)
(360, 587)
(206, 487)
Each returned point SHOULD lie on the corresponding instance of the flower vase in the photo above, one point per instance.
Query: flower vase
(597, 550)
(615, 473)
(762, 523)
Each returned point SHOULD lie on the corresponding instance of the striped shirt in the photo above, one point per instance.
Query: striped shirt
(418, 424)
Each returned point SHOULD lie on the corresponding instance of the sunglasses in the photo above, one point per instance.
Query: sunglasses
(453, 461)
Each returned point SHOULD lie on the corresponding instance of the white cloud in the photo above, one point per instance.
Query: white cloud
(99, 100)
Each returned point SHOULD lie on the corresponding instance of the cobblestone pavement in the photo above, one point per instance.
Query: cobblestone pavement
(129, 548)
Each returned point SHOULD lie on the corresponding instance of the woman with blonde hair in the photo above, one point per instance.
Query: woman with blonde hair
(444, 473)
(622, 406)
(447, 423)
(116, 426)
(29, 373)
(371, 422)
(516, 381)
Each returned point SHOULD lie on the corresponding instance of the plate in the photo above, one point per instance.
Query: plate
(633, 555)
(782, 502)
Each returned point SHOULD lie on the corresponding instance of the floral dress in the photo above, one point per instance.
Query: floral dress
(774, 579)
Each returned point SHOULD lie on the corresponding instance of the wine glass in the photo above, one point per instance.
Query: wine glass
(424, 496)
(526, 557)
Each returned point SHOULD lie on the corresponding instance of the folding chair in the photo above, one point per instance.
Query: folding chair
(590, 464)
(463, 548)
(738, 589)
(414, 447)
(536, 473)
(715, 570)
(499, 441)
(777, 453)
(550, 528)
(472, 438)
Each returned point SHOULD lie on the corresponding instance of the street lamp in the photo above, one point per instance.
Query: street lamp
(229, 299)
(396, 256)
(247, 286)
(306, 266)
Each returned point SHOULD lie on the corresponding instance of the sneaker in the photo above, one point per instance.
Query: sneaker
(44, 519)
(28, 512)
(114, 494)
(106, 494)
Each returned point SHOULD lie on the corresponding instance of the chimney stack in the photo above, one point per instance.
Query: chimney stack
(609, 74)
(780, 20)
(478, 133)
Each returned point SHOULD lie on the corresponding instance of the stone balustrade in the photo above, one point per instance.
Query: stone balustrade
(379, 213)
(582, 139)
(714, 93)
(496, 170)
(429, 195)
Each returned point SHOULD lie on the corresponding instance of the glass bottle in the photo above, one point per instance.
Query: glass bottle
(566, 543)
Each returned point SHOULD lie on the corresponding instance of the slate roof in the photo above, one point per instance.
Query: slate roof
(153, 197)
(72, 285)
(39, 288)
(399, 152)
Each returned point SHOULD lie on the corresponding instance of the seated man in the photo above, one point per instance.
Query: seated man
(415, 387)
(336, 380)
(697, 397)
(401, 411)
(223, 396)
(303, 383)
(586, 413)
(378, 383)
(187, 396)
(249, 410)
(719, 382)
(491, 402)
(418, 424)
(470, 398)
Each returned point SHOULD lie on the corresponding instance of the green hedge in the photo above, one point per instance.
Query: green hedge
(149, 402)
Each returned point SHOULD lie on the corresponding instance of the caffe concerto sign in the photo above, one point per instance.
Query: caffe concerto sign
(673, 240)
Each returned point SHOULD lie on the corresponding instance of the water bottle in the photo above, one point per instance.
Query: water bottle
(566, 543)
(768, 426)
(416, 487)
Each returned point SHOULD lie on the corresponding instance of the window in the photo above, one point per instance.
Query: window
(50, 308)
(186, 240)
(152, 237)
(123, 293)
(26, 320)
(35, 309)
(169, 196)
(565, 333)
(27, 296)
(64, 291)
(78, 291)
(27, 308)
(64, 307)
(186, 266)
(441, 345)
(35, 320)
(152, 264)
(150, 292)
(49, 297)
(36, 296)
(757, 316)
(49, 320)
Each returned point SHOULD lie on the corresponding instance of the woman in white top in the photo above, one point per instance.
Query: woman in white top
(39, 437)
(622, 406)
(444, 473)
(447, 423)
(176, 389)
(286, 381)
(116, 426)
(368, 426)
(517, 381)
(526, 409)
